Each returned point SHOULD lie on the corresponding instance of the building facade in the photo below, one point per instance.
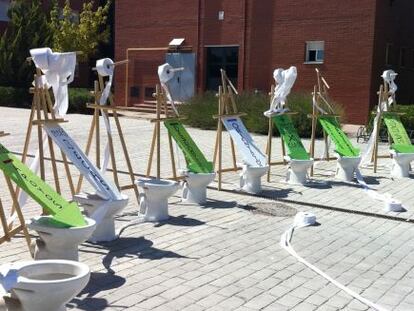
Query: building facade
(351, 42)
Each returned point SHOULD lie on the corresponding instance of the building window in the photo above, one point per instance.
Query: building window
(315, 52)
(226, 58)
(389, 54)
(403, 57)
(149, 92)
(4, 8)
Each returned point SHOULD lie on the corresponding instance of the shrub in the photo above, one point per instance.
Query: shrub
(200, 110)
(21, 98)
(15, 97)
(78, 98)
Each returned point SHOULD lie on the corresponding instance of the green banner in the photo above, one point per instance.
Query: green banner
(293, 143)
(64, 214)
(343, 145)
(401, 141)
(196, 161)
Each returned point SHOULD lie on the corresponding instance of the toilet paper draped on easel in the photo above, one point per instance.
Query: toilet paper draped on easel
(285, 79)
(59, 71)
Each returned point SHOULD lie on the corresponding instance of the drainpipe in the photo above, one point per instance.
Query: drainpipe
(242, 82)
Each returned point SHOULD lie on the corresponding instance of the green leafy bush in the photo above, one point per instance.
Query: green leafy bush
(201, 108)
(21, 98)
(15, 97)
(78, 98)
(408, 117)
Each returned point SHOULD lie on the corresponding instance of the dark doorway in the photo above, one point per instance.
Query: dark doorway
(221, 57)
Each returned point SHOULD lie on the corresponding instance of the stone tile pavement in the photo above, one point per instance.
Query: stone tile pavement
(223, 256)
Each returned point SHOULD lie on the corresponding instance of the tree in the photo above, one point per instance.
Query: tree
(79, 33)
(28, 28)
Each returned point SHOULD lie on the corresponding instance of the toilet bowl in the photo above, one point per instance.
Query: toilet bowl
(45, 285)
(401, 164)
(251, 178)
(298, 170)
(346, 167)
(195, 186)
(59, 243)
(103, 212)
(154, 194)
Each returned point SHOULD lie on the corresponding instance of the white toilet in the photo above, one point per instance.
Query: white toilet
(251, 178)
(346, 167)
(45, 285)
(154, 194)
(195, 186)
(59, 243)
(298, 171)
(104, 212)
(401, 164)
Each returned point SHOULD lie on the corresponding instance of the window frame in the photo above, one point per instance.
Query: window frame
(307, 49)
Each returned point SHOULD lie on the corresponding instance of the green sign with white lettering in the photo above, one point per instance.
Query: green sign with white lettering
(343, 145)
(196, 161)
(293, 143)
(64, 214)
(400, 138)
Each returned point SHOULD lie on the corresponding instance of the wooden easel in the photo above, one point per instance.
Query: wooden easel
(9, 229)
(161, 104)
(383, 94)
(42, 110)
(320, 91)
(227, 108)
(110, 111)
(270, 138)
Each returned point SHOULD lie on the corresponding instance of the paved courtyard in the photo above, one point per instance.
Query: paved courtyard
(226, 255)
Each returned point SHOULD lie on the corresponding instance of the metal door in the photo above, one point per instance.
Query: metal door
(182, 86)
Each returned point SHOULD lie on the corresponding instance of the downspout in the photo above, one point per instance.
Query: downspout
(242, 82)
(198, 79)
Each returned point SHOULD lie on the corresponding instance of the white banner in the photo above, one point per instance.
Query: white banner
(103, 187)
(251, 154)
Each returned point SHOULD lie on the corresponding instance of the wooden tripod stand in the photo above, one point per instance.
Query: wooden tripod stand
(107, 111)
(320, 93)
(42, 111)
(9, 229)
(226, 108)
(161, 104)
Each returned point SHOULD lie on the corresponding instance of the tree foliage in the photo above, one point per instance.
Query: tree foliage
(83, 32)
(62, 29)
(28, 28)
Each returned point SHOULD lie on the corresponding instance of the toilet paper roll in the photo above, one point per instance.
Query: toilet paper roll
(105, 67)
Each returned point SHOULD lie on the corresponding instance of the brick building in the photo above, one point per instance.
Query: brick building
(351, 42)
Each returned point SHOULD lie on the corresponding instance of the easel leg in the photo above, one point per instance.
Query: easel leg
(154, 138)
(269, 147)
(19, 212)
(4, 222)
(50, 143)
(88, 148)
(125, 150)
(112, 153)
(174, 170)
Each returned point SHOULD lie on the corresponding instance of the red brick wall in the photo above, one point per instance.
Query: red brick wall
(347, 29)
(394, 24)
(269, 34)
(150, 24)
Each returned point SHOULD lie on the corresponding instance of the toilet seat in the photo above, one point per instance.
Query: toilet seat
(32, 283)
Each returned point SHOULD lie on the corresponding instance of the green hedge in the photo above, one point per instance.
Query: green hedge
(15, 97)
(21, 98)
(200, 109)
